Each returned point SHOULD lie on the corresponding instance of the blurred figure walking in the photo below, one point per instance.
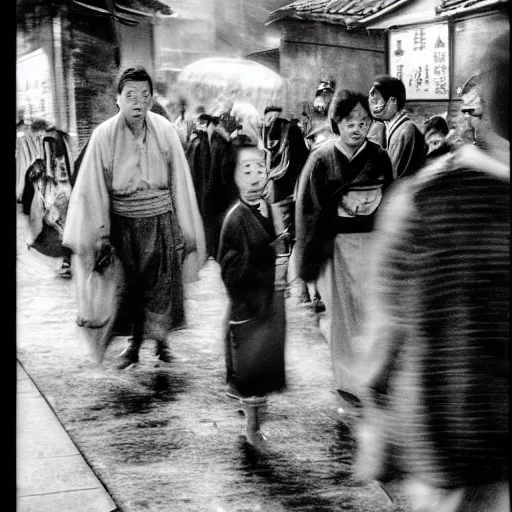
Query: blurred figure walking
(133, 202)
(256, 318)
(339, 193)
(436, 417)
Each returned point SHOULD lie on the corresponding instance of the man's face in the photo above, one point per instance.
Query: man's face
(379, 107)
(135, 100)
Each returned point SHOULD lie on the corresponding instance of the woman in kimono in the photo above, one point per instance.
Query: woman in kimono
(256, 318)
(134, 201)
(340, 190)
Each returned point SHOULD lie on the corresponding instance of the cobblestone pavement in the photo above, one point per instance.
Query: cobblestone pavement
(166, 438)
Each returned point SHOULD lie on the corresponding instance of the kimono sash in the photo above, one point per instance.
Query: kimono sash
(88, 225)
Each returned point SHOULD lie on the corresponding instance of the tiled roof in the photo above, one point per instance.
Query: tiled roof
(351, 13)
(452, 7)
(358, 13)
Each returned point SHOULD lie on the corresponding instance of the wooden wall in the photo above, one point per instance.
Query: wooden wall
(311, 51)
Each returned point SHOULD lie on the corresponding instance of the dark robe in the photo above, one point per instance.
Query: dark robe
(220, 192)
(199, 161)
(256, 332)
(406, 146)
(437, 402)
(327, 176)
(288, 153)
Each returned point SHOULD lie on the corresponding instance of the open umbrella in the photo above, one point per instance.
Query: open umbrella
(216, 80)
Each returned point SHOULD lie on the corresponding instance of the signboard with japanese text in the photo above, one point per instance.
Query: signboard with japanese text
(419, 56)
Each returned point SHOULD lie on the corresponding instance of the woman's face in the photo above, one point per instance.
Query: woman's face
(134, 100)
(354, 127)
(250, 174)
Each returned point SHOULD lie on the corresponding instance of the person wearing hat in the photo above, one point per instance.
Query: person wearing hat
(436, 408)
(320, 130)
(404, 141)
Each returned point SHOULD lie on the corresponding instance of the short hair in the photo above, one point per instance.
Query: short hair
(437, 124)
(133, 74)
(343, 102)
(390, 86)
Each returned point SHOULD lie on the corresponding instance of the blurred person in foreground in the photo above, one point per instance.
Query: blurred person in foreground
(134, 202)
(403, 141)
(256, 317)
(339, 193)
(437, 375)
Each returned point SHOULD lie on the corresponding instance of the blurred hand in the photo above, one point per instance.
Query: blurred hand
(105, 257)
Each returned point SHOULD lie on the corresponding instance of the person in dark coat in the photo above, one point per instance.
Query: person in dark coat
(199, 159)
(286, 155)
(220, 192)
(404, 141)
(436, 406)
(256, 317)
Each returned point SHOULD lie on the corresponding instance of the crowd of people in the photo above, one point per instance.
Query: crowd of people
(399, 232)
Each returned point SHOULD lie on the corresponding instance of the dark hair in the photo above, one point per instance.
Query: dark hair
(343, 102)
(436, 123)
(391, 87)
(133, 74)
(39, 124)
(230, 159)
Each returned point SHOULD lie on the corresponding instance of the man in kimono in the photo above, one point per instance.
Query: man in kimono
(134, 203)
(404, 141)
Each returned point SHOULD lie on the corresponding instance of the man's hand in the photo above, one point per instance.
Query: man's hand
(105, 257)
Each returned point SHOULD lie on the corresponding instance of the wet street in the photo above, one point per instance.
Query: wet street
(166, 438)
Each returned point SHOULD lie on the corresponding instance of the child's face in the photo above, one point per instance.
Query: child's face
(250, 174)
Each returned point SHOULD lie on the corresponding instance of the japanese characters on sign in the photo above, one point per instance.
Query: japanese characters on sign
(419, 56)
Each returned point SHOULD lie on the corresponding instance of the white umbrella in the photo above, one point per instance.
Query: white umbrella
(214, 81)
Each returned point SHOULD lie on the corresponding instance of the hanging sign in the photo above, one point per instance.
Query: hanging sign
(419, 56)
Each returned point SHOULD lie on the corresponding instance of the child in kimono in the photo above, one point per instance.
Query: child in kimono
(256, 317)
